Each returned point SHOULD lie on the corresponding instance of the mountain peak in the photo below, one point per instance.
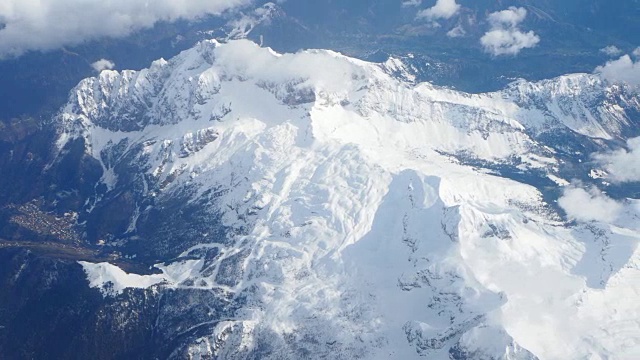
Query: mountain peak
(376, 216)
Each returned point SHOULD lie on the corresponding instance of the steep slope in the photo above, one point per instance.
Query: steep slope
(331, 209)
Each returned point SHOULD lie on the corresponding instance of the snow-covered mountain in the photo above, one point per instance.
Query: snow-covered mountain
(344, 211)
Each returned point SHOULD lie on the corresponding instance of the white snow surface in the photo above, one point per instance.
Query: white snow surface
(111, 280)
(365, 234)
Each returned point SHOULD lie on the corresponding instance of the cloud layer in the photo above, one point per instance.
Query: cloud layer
(48, 24)
(505, 37)
(443, 9)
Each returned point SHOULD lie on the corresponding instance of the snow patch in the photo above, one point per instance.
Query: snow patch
(112, 281)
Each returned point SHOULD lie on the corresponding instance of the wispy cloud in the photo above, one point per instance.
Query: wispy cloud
(408, 3)
(457, 31)
(611, 50)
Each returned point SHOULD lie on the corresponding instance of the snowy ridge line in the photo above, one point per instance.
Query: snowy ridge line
(353, 234)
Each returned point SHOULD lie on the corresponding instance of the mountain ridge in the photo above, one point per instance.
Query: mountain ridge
(346, 212)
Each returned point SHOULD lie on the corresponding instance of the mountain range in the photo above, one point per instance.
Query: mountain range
(244, 199)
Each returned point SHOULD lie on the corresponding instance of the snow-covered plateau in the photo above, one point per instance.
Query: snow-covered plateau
(367, 216)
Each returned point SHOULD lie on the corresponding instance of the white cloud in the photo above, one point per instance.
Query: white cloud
(510, 17)
(505, 37)
(622, 165)
(443, 9)
(636, 52)
(611, 50)
(103, 64)
(324, 69)
(508, 41)
(408, 3)
(457, 31)
(623, 69)
(589, 205)
(242, 26)
(50, 24)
